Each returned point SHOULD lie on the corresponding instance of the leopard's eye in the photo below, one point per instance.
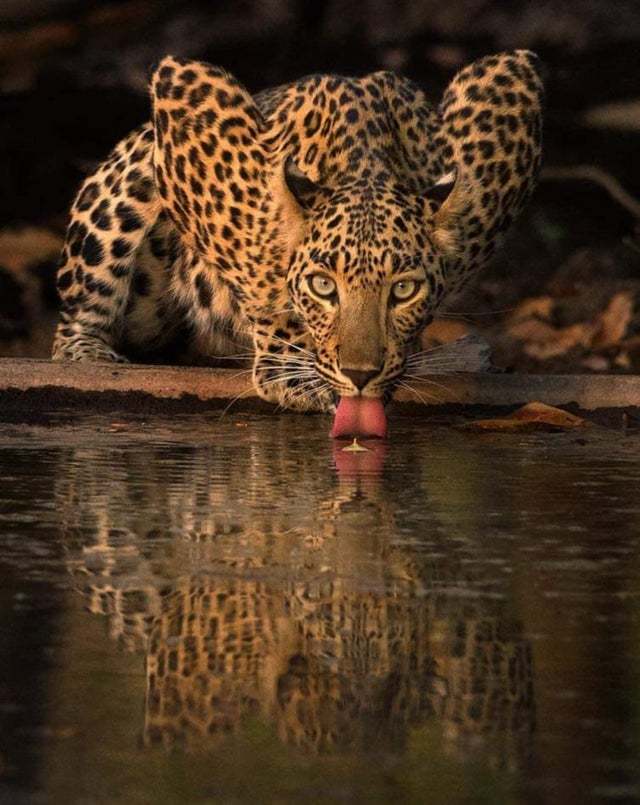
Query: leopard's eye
(404, 290)
(322, 285)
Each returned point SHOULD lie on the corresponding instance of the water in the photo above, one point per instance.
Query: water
(195, 609)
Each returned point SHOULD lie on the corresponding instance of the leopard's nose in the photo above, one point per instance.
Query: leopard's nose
(360, 377)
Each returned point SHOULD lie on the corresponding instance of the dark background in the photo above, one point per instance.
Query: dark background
(73, 78)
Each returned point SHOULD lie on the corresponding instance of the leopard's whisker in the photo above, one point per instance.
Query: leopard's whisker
(242, 394)
(437, 361)
(438, 358)
(285, 359)
(307, 389)
(240, 373)
(450, 345)
(470, 314)
(248, 356)
(429, 360)
(437, 367)
(289, 344)
(293, 395)
(282, 378)
(416, 393)
(307, 395)
(428, 382)
(281, 311)
(311, 384)
(424, 376)
(280, 372)
(413, 391)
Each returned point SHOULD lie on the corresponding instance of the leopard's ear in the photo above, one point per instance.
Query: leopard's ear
(210, 163)
(447, 197)
(490, 133)
(298, 183)
(440, 191)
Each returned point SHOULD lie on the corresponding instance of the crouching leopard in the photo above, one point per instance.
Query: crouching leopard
(312, 229)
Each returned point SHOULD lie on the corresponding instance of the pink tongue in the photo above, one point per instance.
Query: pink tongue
(359, 416)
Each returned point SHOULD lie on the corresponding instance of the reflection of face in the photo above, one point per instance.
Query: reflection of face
(284, 594)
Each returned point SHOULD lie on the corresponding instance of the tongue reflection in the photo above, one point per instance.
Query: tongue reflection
(359, 416)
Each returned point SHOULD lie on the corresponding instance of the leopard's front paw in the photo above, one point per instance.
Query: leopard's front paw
(85, 350)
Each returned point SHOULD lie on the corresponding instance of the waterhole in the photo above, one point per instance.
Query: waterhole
(229, 610)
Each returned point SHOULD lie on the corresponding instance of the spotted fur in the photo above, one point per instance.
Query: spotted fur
(315, 227)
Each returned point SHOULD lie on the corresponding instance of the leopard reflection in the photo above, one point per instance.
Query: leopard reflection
(309, 600)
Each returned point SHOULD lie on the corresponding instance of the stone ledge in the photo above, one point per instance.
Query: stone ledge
(58, 384)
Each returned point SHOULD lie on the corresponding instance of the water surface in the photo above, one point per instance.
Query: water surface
(227, 610)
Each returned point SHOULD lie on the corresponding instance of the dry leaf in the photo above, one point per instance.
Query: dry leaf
(530, 323)
(623, 360)
(443, 331)
(596, 363)
(611, 325)
(532, 330)
(537, 306)
(534, 416)
(559, 341)
(543, 340)
(20, 247)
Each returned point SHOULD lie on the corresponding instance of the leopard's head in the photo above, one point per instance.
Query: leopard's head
(367, 275)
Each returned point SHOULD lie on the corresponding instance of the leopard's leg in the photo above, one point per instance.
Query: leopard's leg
(111, 216)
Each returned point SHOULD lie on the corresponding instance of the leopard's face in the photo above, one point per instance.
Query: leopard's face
(365, 280)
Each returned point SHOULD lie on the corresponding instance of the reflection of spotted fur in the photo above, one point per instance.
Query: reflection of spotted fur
(248, 602)
(334, 666)
(318, 225)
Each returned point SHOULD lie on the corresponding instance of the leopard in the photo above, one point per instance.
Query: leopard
(309, 232)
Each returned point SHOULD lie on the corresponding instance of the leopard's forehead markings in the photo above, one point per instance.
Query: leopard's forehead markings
(368, 231)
